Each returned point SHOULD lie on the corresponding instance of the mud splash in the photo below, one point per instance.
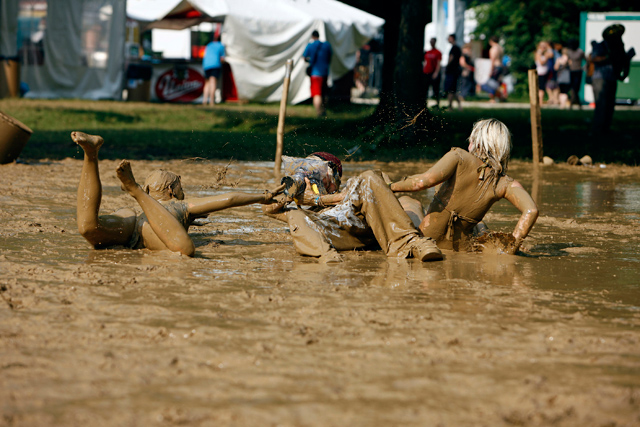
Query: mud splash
(250, 333)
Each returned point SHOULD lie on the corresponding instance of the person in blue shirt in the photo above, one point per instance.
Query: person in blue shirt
(318, 54)
(212, 64)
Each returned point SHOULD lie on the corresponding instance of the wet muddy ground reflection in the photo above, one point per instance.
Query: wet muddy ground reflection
(250, 333)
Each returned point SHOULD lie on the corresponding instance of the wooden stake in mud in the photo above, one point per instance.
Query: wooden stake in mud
(536, 125)
(283, 111)
(536, 131)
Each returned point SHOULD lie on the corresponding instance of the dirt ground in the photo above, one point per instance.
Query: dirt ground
(248, 333)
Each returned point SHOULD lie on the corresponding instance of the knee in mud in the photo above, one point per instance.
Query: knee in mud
(369, 175)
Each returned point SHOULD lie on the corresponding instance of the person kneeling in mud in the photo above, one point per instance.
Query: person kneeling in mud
(166, 213)
(472, 181)
(366, 214)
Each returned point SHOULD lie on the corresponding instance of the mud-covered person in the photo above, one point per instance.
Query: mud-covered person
(365, 214)
(472, 181)
(166, 213)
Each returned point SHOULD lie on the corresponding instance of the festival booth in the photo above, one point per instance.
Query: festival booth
(259, 36)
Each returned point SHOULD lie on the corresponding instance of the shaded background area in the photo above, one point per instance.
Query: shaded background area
(248, 132)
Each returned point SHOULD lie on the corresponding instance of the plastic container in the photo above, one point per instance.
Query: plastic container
(13, 137)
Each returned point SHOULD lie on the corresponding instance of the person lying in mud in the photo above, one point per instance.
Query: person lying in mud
(472, 181)
(166, 213)
(366, 214)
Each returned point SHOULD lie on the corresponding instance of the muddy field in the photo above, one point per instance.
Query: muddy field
(248, 333)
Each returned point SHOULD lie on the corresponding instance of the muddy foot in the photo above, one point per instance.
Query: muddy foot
(425, 249)
(91, 143)
(330, 257)
(125, 174)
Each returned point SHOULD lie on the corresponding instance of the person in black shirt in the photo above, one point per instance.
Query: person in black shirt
(452, 72)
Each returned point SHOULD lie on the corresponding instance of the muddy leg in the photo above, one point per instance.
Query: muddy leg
(394, 231)
(166, 227)
(413, 208)
(89, 188)
(306, 239)
(99, 230)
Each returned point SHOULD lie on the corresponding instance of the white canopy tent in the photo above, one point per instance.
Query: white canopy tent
(80, 48)
(260, 35)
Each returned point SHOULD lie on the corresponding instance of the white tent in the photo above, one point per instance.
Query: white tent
(260, 35)
(80, 48)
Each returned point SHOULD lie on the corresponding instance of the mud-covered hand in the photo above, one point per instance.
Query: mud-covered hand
(513, 246)
(270, 194)
(293, 185)
(276, 205)
(309, 197)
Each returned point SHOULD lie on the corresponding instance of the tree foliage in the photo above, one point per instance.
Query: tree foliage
(401, 118)
(522, 24)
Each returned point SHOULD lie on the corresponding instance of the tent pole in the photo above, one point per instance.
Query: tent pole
(283, 111)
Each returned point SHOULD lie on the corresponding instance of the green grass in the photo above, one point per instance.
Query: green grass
(248, 132)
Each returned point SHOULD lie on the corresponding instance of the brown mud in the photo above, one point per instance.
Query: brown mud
(494, 242)
(249, 333)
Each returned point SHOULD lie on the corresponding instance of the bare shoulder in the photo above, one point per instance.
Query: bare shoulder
(461, 153)
(506, 183)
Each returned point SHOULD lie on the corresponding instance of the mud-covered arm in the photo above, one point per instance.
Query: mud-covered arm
(205, 205)
(438, 173)
(520, 198)
(277, 210)
(308, 198)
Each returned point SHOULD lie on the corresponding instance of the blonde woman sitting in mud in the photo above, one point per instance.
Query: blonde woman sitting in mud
(472, 181)
(166, 213)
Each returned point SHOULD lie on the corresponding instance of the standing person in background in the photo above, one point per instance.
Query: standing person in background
(576, 57)
(318, 54)
(552, 81)
(452, 73)
(543, 67)
(563, 78)
(363, 62)
(496, 54)
(468, 86)
(212, 64)
(431, 70)
(611, 64)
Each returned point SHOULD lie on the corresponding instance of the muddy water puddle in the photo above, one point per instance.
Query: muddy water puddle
(250, 333)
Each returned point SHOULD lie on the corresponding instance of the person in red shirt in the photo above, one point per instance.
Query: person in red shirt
(431, 70)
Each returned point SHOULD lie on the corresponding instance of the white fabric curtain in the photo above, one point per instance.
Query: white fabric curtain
(8, 28)
(73, 67)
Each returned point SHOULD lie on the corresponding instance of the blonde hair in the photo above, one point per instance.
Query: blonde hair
(490, 140)
(161, 183)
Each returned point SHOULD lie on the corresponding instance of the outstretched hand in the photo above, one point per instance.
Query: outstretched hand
(308, 197)
(270, 194)
(513, 246)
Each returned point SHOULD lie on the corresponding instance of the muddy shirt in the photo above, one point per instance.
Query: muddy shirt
(335, 222)
(178, 209)
(462, 201)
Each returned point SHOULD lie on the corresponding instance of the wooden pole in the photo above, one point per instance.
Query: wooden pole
(281, 116)
(536, 130)
(536, 124)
